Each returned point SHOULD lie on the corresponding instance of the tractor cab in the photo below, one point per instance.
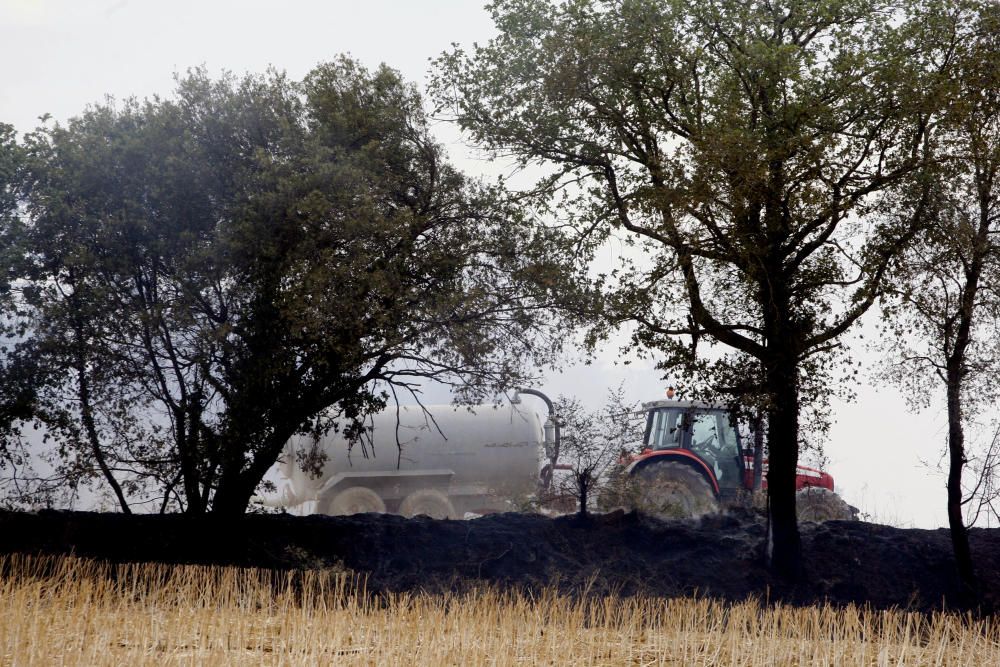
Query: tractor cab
(700, 429)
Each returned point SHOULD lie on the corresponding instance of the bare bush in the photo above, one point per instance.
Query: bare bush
(592, 444)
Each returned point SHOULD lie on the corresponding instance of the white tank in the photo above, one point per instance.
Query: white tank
(482, 458)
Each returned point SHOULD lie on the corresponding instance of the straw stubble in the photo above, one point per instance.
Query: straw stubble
(72, 611)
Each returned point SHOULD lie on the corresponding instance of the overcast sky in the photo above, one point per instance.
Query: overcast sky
(61, 55)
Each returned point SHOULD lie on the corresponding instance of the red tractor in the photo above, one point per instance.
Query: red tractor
(692, 463)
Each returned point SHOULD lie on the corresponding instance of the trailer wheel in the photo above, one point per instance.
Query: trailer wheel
(673, 490)
(815, 503)
(356, 500)
(429, 502)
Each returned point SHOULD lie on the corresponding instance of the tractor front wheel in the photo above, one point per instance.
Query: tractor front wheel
(817, 504)
(673, 490)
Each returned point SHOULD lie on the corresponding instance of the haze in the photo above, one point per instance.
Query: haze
(65, 54)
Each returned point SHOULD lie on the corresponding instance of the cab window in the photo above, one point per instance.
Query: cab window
(664, 429)
(712, 431)
(713, 438)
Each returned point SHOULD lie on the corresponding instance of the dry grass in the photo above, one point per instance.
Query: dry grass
(77, 612)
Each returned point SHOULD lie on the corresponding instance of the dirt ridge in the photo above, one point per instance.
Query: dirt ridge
(623, 553)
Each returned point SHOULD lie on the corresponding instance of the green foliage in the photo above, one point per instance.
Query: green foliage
(10, 159)
(258, 257)
(15, 394)
(729, 139)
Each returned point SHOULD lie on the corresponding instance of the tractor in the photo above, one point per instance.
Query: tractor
(693, 463)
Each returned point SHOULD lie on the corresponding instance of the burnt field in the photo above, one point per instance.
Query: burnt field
(623, 554)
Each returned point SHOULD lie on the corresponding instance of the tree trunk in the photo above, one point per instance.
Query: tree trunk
(583, 490)
(238, 479)
(784, 553)
(233, 496)
(956, 462)
(189, 465)
(237, 485)
(955, 375)
(87, 413)
(758, 449)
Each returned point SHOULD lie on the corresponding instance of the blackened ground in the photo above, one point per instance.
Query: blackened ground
(718, 556)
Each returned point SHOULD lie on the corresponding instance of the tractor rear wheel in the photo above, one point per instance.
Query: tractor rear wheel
(673, 490)
(616, 493)
(356, 500)
(817, 504)
(429, 502)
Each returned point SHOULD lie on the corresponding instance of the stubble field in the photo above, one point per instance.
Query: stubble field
(72, 611)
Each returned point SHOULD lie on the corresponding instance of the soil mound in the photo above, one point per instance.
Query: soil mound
(717, 556)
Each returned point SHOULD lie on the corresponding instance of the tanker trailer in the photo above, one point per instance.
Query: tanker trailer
(452, 461)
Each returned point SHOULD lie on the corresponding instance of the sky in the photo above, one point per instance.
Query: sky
(62, 55)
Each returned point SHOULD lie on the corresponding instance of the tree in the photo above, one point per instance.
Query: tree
(945, 310)
(268, 257)
(746, 147)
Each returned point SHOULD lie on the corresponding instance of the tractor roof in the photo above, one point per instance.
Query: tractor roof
(684, 405)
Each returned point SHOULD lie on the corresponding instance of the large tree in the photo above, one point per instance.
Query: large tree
(258, 257)
(945, 309)
(747, 147)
